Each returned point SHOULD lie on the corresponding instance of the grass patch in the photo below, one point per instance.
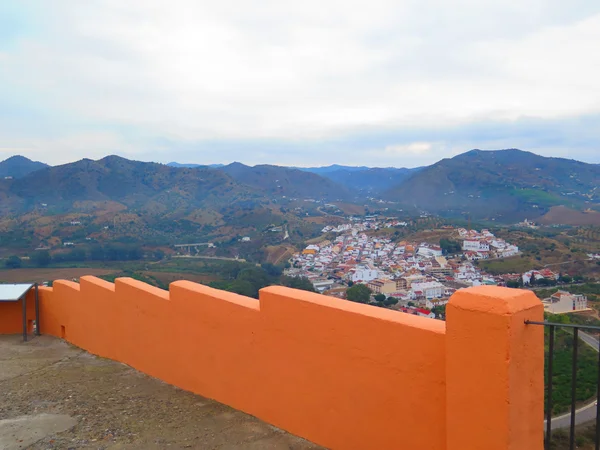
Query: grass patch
(537, 196)
(514, 264)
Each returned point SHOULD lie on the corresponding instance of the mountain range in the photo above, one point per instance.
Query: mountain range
(502, 185)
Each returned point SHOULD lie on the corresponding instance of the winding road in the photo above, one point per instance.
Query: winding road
(587, 412)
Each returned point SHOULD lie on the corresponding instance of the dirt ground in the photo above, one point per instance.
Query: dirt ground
(49, 386)
(279, 253)
(48, 274)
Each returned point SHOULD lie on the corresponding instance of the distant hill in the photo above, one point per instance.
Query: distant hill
(19, 166)
(193, 166)
(355, 179)
(501, 184)
(370, 181)
(132, 183)
(332, 168)
(276, 180)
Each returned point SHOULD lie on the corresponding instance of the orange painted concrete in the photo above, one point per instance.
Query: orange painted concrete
(494, 369)
(341, 374)
(11, 318)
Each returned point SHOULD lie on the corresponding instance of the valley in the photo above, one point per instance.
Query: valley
(131, 217)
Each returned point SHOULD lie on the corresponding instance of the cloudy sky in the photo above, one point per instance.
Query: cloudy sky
(375, 82)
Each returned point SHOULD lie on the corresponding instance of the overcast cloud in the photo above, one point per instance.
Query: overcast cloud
(377, 82)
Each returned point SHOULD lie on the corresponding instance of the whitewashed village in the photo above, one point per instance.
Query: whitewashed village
(413, 277)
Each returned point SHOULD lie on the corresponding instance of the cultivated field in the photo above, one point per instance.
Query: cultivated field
(561, 215)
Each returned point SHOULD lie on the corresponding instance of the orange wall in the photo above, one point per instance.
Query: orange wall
(11, 318)
(341, 374)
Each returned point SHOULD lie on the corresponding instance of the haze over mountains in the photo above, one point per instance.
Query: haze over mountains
(508, 184)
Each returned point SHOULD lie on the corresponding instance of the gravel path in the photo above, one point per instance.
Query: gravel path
(117, 407)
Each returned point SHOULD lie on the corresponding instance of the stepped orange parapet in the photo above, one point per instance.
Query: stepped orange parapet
(341, 374)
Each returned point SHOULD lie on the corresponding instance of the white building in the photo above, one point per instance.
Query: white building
(321, 284)
(365, 274)
(425, 313)
(429, 251)
(510, 250)
(432, 303)
(429, 289)
(564, 302)
(475, 246)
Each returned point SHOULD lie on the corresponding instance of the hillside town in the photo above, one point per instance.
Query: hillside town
(416, 275)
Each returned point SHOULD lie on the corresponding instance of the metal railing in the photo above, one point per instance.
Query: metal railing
(574, 359)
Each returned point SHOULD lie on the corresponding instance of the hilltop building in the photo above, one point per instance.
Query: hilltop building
(564, 302)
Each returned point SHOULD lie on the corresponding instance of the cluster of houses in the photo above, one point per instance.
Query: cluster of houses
(412, 272)
(360, 225)
(527, 224)
(483, 245)
(418, 275)
(537, 275)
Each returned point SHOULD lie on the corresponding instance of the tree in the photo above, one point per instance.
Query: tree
(562, 277)
(412, 304)
(77, 254)
(390, 301)
(358, 293)
(439, 311)
(546, 282)
(271, 269)
(449, 246)
(97, 253)
(41, 258)
(243, 287)
(12, 262)
(302, 283)
(512, 284)
(135, 252)
(159, 254)
(255, 275)
(379, 297)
